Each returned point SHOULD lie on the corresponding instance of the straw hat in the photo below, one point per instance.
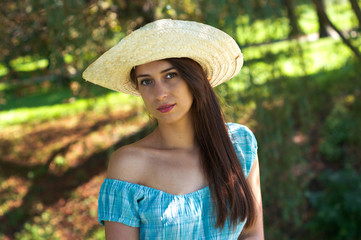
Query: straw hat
(217, 53)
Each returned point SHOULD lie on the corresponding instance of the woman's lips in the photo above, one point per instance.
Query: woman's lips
(165, 108)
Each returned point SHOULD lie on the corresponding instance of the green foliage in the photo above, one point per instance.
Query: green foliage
(283, 92)
(341, 14)
(97, 234)
(28, 63)
(337, 206)
(53, 31)
(262, 30)
(38, 232)
(49, 30)
(342, 131)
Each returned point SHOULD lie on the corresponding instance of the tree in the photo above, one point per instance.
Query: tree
(15, 39)
(290, 7)
(322, 24)
(323, 15)
(47, 29)
(356, 9)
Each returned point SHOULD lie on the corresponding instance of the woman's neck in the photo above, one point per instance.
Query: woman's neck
(178, 135)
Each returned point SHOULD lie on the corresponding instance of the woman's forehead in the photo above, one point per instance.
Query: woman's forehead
(153, 67)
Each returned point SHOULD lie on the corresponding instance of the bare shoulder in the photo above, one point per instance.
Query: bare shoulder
(128, 163)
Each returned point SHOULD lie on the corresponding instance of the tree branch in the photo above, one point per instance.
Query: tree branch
(328, 21)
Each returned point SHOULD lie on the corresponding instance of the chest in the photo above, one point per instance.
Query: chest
(175, 172)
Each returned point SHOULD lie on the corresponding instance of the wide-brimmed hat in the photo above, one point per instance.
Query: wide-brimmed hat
(217, 53)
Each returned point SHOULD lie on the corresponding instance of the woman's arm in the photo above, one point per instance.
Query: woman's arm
(255, 232)
(119, 231)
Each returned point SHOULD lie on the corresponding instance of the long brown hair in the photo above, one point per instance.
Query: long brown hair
(232, 198)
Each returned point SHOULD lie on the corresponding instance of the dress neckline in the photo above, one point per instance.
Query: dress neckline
(155, 190)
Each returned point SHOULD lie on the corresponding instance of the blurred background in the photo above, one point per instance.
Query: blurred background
(299, 91)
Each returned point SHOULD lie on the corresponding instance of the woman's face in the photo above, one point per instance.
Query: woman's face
(165, 93)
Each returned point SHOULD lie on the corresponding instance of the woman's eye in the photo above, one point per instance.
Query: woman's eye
(171, 75)
(145, 82)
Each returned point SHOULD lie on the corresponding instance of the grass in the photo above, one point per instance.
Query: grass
(21, 115)
(28, 64)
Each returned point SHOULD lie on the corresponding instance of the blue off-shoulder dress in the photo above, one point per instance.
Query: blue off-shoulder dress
(160, 215)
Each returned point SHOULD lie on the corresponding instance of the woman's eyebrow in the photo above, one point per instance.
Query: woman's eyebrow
(142, 75)
(168, 69)
(163, 71)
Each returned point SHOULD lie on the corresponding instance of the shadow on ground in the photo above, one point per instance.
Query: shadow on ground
(47, 188)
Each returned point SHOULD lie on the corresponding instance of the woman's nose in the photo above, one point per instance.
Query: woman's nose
(161, 91)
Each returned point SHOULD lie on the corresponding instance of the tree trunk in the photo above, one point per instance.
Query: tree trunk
(356, 9)
(12, 73)
(322, 24)
(295, 29)
(325, 18)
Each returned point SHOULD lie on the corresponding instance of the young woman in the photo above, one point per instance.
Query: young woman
(194, 176)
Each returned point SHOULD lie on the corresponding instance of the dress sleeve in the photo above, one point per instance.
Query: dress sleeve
(119, 202)
(245, 145)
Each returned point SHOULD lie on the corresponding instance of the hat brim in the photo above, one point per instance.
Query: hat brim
(217, 53)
